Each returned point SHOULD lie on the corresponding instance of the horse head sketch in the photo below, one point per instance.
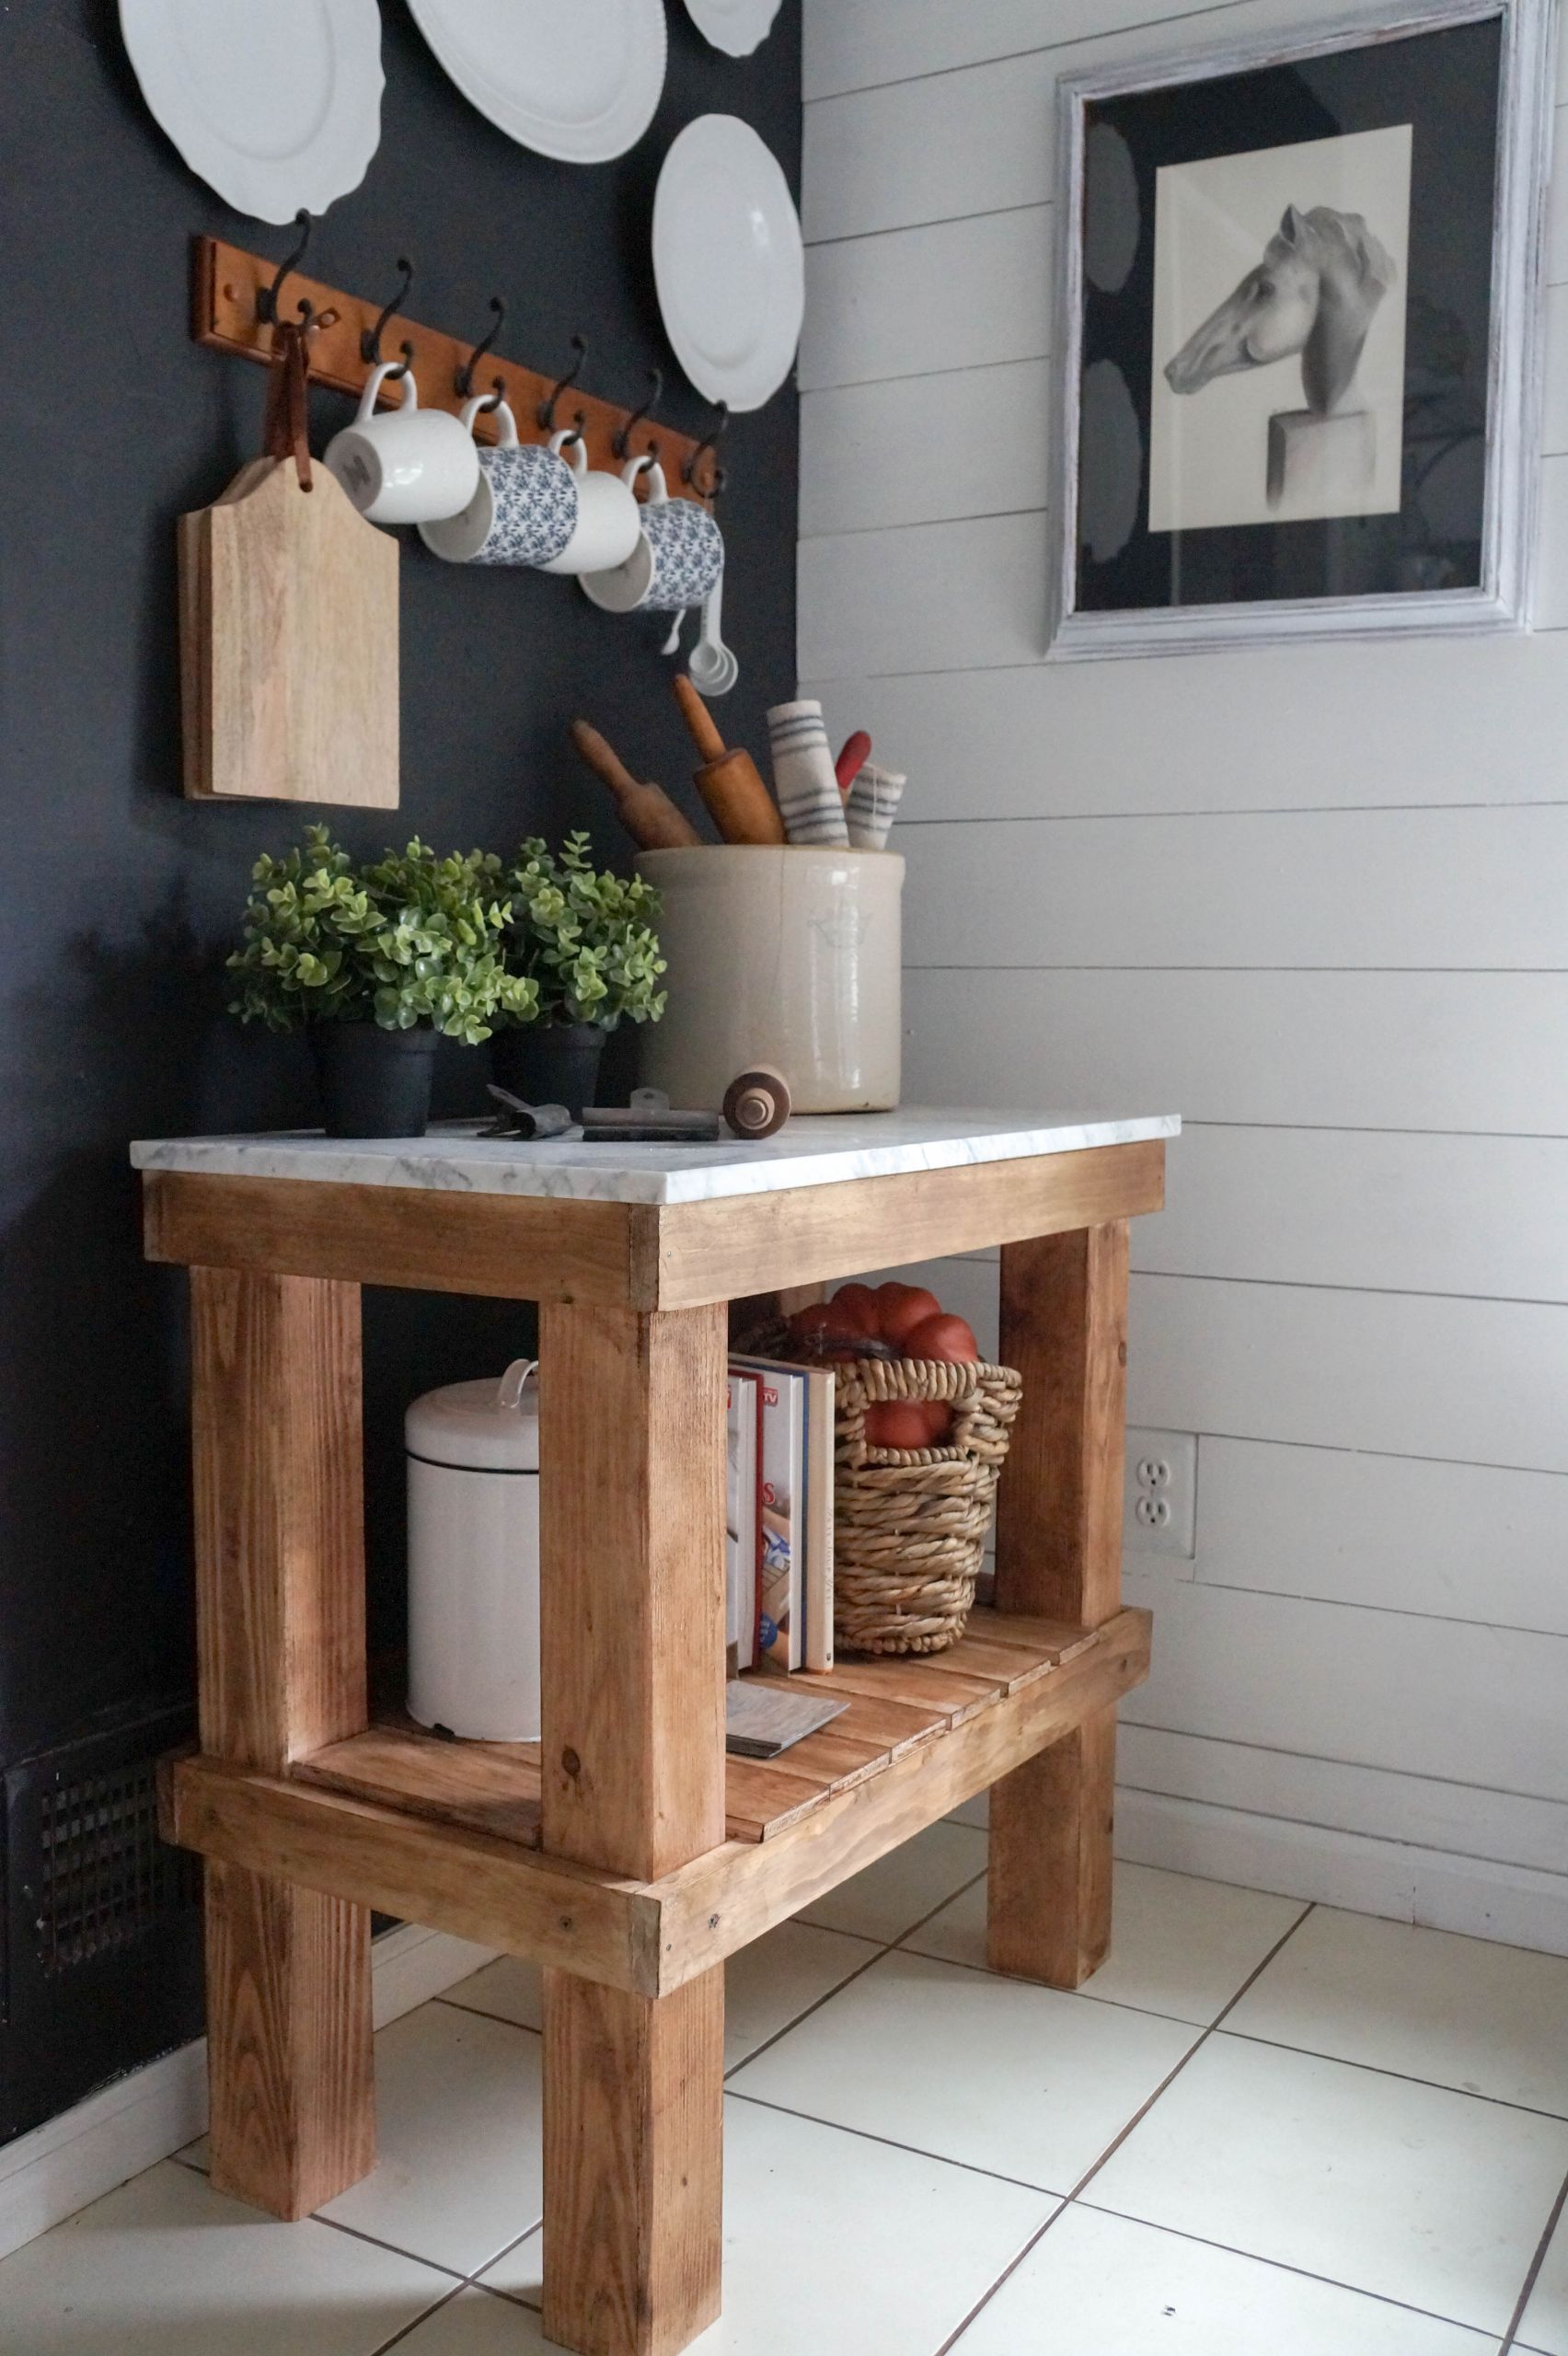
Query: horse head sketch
(1322, 278)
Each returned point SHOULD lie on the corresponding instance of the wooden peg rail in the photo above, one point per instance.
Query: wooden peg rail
(227, 280)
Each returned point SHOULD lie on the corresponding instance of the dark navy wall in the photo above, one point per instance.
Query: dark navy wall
(120, 898)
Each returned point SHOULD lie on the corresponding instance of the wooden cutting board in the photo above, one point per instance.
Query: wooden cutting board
(288, 626)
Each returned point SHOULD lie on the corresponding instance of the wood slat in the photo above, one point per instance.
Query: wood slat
(492, 1787)
(227, 279)
(749, 1244)
(648, 1937)
(505, 1247)
(643, 1256)
(893, 1706)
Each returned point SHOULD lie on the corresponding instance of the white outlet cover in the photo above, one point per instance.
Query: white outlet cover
(1162, 1496)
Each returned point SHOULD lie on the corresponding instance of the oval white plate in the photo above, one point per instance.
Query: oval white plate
(575, 79)
(737, 27)
(728, 261)
(276, 106)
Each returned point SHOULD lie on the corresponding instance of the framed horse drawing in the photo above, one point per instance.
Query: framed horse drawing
(1299, 304)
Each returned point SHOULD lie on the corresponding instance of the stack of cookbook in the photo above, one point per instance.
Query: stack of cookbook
(778, 1554)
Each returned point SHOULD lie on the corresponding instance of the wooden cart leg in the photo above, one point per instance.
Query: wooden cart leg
(280, 1591)
(632, 1640)
(1063, 1326)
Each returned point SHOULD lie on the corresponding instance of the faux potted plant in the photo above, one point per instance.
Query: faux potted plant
(584, 939)
(376, 963)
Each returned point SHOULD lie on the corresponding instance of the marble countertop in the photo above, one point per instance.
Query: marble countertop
(814, 1151)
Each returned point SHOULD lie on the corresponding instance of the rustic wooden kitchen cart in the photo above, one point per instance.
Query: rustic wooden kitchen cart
(623, 1852)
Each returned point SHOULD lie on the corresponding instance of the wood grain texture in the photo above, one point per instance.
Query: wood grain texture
(279, 1599)
(506, 1247)
(1063, 1326)
(632, 1459)
(289, 2055)
(278, 1470)
(647, 1937)
(288, 611)
(633, 2159)
(726, 1899)
(753, 1243)
(1048, 1902)
(447, 1876)
(227, 279)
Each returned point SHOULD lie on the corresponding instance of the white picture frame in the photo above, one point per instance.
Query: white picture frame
(1500, 601)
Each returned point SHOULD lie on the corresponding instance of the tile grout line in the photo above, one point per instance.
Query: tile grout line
(1006, 2275)
(1033, 2243)
(891, 2143)
(1400, 2077)
(1197, 2047)
(1510, 2337)
(398, 2337)
(1282, 2266)
(884, 1948)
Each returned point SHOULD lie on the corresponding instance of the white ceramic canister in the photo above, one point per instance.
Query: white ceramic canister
(784, 955)
(474, 1557)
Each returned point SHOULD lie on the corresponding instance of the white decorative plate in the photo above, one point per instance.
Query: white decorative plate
(576, 80)
(276, 106)
(728, 260)
(737, 27)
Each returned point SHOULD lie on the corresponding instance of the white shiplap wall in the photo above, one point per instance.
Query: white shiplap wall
(1313, 898)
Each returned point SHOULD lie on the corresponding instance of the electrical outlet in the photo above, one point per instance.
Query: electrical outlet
(1161, 1493)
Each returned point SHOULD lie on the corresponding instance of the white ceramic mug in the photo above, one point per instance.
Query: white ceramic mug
(412, 466)
(525, 508)
(609, 521)
(677, 558)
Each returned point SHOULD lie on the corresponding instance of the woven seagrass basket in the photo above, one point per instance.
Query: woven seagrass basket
(910, 1524)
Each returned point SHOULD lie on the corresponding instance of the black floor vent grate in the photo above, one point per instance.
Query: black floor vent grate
(106, 1877)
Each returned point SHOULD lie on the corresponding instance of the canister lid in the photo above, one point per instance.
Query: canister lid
(485, 1427)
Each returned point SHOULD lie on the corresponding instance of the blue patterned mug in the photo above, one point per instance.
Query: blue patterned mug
(678, 558)
(525, 508)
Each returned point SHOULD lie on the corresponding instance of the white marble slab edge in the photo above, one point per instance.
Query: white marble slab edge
(821, 1150)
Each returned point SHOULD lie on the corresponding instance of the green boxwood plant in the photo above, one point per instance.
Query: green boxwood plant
(409, 941)
(584, 938)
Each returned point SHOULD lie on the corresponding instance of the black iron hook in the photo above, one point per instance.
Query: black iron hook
(710, 442)
(369, 342)
(622, 444)
(464, 380)
(548, 408)
(267, 296)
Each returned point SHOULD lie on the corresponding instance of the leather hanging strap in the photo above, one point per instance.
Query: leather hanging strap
(286, 432)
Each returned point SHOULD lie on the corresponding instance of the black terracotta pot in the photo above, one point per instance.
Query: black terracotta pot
(374, 1083)
(549, 1063)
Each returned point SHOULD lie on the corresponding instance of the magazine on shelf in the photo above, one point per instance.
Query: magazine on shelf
(810, 1487)
(742, 1523)
(781, 1490)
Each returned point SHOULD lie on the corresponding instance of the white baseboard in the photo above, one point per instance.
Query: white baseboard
(49, 2173)
(1515, 1904)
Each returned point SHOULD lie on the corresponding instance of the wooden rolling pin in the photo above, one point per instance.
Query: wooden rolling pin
(647, 813)
(730, 783)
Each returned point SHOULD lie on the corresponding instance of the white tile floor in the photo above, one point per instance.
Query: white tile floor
(1262, 2129)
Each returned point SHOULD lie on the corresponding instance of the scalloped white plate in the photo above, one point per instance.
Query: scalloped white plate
(575, 79)
(737, 27)
(729, 261)
(275, 106)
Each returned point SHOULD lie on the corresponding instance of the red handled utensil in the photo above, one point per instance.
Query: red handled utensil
(852, 760)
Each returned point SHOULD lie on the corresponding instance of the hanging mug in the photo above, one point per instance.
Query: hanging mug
(678, 558)
(525, 507)
(409, 466)
(608, 517)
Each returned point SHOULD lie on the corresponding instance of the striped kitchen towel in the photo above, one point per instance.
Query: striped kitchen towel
(803, 776)
(872, 803)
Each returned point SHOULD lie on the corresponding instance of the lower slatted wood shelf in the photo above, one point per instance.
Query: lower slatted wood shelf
(894, 1705)
(447, 1833)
